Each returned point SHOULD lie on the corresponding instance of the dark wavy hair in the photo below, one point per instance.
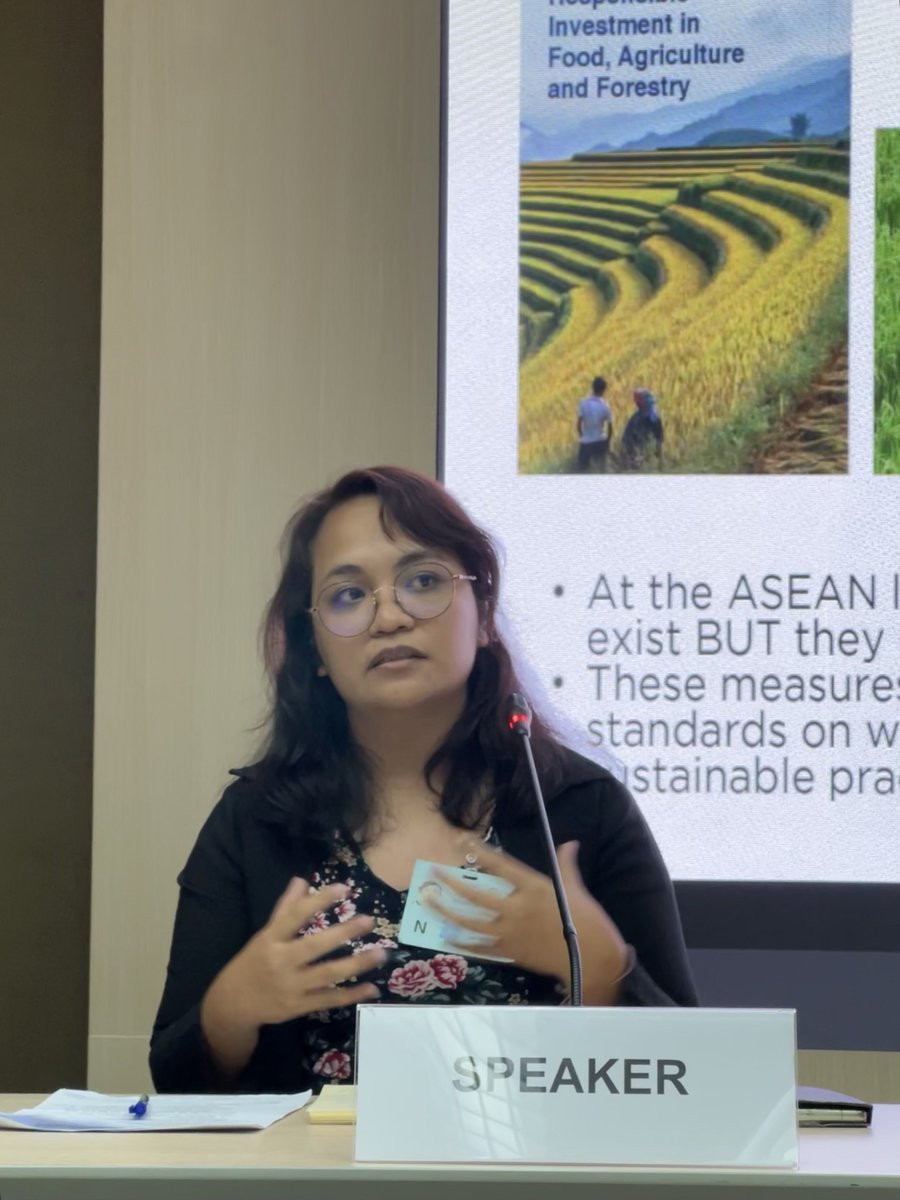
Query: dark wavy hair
(311, 767)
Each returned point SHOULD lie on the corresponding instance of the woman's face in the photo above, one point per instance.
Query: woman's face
(399, 662)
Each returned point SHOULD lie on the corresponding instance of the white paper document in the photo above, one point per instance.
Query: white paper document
(69, 1111)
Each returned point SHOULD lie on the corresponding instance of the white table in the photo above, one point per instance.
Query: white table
(298, 1160)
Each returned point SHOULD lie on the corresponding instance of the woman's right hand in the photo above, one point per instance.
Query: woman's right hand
(278, 976)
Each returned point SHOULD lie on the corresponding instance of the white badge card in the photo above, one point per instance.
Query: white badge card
(420, 926)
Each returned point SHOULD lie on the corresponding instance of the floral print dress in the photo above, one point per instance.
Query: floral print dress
(410, 974)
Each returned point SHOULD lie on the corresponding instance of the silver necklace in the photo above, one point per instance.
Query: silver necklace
(471, 862)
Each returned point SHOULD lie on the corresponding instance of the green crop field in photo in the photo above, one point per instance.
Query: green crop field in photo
(887, 302)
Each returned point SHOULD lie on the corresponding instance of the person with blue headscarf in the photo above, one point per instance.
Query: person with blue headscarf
(643, 433)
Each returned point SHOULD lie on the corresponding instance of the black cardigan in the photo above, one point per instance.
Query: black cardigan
(244, 857)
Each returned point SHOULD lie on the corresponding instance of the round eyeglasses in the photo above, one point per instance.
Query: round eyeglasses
(423, 591)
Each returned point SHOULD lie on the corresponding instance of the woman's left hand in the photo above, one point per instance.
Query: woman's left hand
(525, 926)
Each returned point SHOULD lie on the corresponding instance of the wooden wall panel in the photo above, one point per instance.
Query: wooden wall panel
(269, 319)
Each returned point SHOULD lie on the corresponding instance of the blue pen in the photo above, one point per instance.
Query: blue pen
(139, 1108)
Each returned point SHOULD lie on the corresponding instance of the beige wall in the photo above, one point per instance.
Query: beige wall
(270, 249)
(269, 318)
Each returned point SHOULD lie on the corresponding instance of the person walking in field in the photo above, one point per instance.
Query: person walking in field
(595, 427)
(643, 434)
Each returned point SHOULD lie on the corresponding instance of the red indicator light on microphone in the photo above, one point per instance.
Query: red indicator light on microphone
(518, 715)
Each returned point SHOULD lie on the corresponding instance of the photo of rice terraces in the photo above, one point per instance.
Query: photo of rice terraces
(713, 277)
(887, 302)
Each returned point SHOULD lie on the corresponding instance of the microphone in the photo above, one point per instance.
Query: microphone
(518, 719)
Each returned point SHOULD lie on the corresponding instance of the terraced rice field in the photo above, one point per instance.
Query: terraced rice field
(715, 278)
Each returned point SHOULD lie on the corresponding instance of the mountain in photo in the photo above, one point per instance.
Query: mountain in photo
(826, 103)
(820, 88)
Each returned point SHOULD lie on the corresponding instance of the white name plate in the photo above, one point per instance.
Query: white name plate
(638, 1086)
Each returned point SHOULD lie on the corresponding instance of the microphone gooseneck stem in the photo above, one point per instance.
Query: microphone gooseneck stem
(562, 903)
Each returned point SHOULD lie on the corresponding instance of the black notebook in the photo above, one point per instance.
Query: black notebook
(823, 1108)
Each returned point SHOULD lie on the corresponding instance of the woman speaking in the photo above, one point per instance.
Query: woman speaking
(387, 745)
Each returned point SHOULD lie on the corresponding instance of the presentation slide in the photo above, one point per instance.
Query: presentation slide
(671, 390)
